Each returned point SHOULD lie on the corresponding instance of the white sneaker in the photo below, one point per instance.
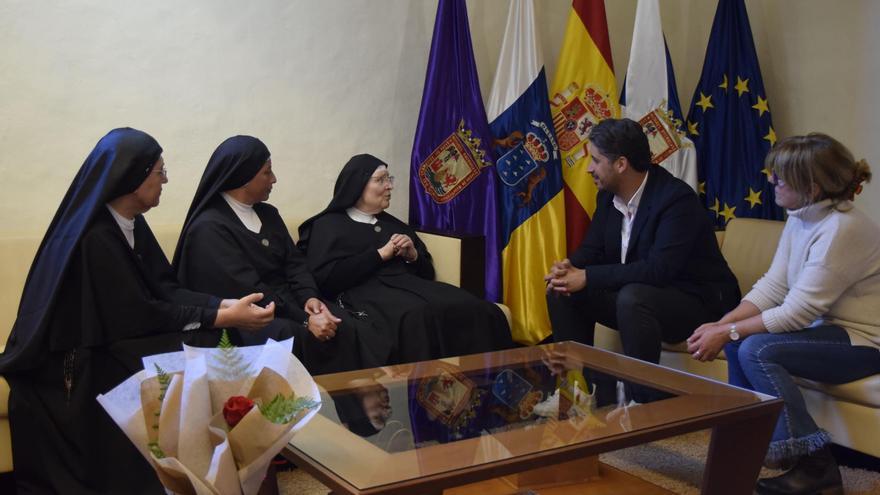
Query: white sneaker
(549, 407)
(581, 405)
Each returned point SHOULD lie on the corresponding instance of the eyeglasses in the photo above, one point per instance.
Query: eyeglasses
(163, 172)
(776, 181)
(384, 180)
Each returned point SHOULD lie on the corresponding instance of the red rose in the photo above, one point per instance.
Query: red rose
(235, 409)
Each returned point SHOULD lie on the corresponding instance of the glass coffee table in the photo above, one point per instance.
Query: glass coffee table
(530, 414)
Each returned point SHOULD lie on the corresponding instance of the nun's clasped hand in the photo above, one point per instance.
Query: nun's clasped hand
(314, 306)
(323, 325)
(405, 247)
(399, 245)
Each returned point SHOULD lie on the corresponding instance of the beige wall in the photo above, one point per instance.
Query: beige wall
(321, 80)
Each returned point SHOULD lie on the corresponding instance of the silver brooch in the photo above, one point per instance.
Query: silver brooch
(377, 228)
(265, 242)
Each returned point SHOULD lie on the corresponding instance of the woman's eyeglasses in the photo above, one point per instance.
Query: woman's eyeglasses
(384, 180)
(776, 181)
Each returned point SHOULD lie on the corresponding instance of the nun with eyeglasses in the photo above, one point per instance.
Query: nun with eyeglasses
(372, 263)
(100, 295)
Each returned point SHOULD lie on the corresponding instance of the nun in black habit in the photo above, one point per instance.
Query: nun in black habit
(99, 296)
(234, 242)
(371, 262)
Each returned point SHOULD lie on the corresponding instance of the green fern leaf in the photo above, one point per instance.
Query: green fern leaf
(228, 363)
(281, 410)
(156, 450)
(164, 381)
(225, 343)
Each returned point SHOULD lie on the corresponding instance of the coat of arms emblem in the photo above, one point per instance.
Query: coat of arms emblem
(524, 159)
(446, 396)
(452, 165)
(575, 111)
(664, 133)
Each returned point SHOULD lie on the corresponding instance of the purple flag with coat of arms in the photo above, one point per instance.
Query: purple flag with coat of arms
(452, 179)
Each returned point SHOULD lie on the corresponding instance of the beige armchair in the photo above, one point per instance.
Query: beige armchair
(16, 254)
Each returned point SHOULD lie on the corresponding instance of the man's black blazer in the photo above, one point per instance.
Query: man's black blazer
(672, 244)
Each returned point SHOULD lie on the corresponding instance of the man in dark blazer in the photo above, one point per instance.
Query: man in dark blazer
(649, 265)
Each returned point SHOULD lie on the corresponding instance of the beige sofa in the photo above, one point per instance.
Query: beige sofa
(17, 253)
(850, 412)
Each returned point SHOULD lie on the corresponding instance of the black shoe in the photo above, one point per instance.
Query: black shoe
(816, 473)
(781, 464)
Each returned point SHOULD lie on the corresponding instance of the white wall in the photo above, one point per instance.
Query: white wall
(319, 81)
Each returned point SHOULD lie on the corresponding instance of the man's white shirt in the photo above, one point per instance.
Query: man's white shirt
(628, 210)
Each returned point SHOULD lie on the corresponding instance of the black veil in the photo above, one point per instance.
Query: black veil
(233, 164)
(348, 189)
(118, 164)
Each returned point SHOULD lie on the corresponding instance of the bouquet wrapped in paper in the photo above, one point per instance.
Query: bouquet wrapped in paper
(210, 421)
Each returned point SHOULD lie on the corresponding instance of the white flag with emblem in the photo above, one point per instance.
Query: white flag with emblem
(650, 96)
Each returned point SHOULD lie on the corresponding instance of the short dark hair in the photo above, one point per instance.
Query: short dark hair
(622, 137)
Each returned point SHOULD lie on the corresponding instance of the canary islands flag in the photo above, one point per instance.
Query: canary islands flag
(531, 201)
(729, 122)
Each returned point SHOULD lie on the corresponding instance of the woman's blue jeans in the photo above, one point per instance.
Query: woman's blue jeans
(765, 363)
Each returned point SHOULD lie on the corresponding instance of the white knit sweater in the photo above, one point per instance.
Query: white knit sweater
(826, 270)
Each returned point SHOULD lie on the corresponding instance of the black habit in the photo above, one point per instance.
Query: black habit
(217, 253)
(427, 319)
(91, 308)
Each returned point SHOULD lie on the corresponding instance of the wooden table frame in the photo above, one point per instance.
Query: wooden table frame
(742, 423)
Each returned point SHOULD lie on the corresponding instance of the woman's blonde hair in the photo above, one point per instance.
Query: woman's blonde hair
(818, 159)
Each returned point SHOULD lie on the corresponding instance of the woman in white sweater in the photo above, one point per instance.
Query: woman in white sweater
(815, 313)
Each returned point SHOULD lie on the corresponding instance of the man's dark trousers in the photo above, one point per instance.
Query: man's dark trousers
(646, 316)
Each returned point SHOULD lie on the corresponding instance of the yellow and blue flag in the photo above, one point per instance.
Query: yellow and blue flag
(532, 203)
(729, 122)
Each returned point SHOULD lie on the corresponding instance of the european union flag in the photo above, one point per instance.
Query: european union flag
(729, 122)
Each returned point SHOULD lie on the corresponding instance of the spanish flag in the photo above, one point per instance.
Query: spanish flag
(582, 95)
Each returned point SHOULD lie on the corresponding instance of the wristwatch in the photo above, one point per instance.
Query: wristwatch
(734, 335)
